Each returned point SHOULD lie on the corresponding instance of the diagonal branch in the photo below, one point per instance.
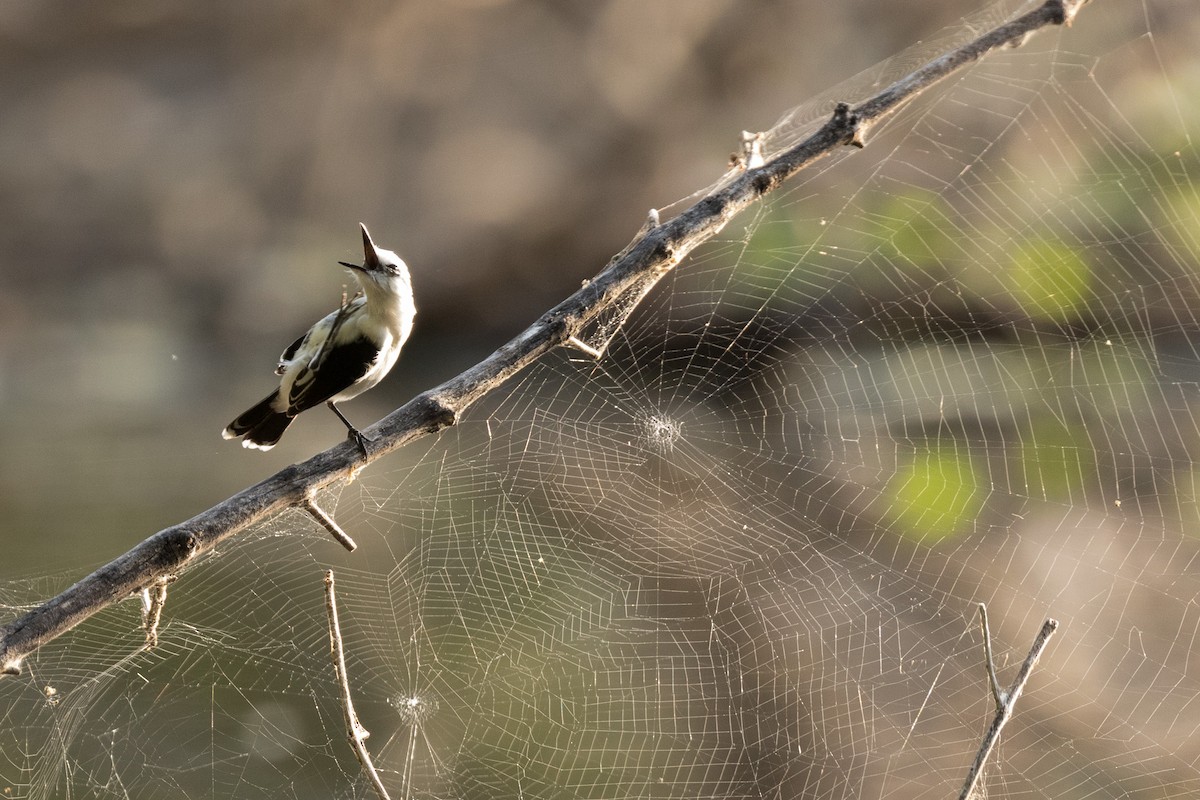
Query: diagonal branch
(634, 273)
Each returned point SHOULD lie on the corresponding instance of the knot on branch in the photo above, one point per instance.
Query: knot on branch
(439, 414)
(849, 126)
(764, 182)
(664, 257)
(180, 544)
(556, 325)
(1062, 12)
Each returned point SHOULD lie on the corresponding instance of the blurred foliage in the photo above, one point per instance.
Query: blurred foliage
(1049, 280)
(1182, 211)
(915, 229)
(934, 494)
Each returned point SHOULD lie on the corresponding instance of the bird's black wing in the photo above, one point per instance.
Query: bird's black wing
(334, 369)
(289, 354)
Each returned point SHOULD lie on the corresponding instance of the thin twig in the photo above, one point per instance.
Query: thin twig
(154, 599)
(328, 523)
(988, 661)
(584, 347)
(631, 276)
(1004, 708)
(625, 304)
(354, 729)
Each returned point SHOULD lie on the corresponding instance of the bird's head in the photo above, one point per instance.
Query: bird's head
(381, 270)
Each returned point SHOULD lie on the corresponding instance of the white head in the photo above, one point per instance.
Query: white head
(383, 274)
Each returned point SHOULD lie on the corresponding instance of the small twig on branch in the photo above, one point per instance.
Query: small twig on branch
(328, 523)
(623, 304)
(584, 347)
(632, 275)
(354, 729)
(988, 660)
(154, 598)
(1006, 701)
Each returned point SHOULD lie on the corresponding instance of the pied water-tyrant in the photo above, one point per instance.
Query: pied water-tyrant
(340, 357)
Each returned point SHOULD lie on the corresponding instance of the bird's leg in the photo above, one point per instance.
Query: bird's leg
(354, 433)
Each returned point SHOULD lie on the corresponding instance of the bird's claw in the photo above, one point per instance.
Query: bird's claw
(359, 439)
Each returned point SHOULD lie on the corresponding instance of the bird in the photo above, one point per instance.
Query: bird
(343, 355)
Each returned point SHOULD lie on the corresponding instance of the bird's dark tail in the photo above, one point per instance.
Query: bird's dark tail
(262, 426)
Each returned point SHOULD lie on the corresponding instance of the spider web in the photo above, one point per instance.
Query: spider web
(740, 554)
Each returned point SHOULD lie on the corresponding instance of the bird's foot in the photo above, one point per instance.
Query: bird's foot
(360, 439)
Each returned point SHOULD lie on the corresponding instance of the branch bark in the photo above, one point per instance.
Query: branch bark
(632, 274)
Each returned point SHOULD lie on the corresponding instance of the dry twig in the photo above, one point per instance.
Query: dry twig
(356, 733)
(154, 599)
(1005, 701)
(327, 522)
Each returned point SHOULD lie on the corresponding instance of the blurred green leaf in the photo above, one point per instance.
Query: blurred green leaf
(915, 229)
(1049, 280)
(935, 495)
(1183, 224)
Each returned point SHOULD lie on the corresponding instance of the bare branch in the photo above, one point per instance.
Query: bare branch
(354, 729)
(1005, 701)
(652, 256)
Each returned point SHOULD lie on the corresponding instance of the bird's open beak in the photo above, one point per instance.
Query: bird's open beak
(371, 260)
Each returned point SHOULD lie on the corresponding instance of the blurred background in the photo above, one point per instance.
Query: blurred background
(740, 556)
(178, 181)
